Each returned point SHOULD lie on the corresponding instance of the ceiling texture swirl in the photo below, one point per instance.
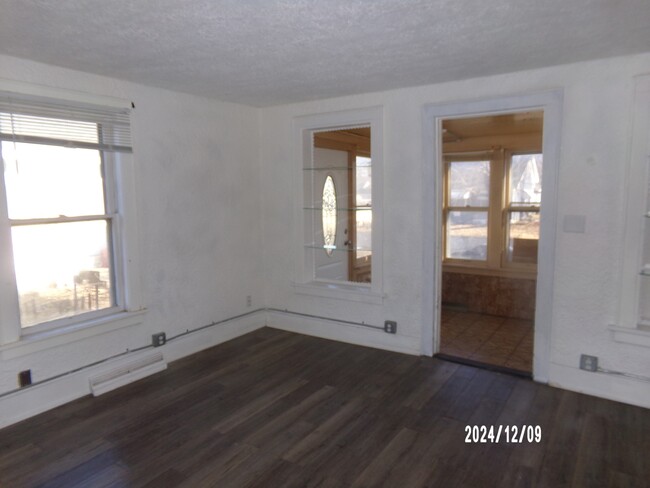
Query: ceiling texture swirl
(271, 52)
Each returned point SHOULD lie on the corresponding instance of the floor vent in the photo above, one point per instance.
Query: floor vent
(127, 373)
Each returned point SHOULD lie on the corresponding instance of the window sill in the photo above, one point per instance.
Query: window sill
(639, 336)
(524, 274)
(39, 341)
(341, 291)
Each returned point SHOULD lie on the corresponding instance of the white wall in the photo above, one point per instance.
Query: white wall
(216, 204)
(595, 144)
(198, 205)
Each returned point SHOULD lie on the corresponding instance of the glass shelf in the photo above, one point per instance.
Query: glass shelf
(335, 248)
(338, 168)
(351, 209)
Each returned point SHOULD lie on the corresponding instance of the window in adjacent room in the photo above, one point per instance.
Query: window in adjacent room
(488, 223)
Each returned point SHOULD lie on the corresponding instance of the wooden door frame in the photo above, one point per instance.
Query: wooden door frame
(432, 115)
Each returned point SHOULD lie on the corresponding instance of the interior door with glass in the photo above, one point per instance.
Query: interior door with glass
(331, 184)
(342, 189)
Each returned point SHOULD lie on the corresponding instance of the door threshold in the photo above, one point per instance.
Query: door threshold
(478, 364)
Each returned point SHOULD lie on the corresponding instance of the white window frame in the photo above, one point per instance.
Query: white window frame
(305, 281)
(508, 208)
(119, 190)
(488, 262)
(629, 328)
(498, 209)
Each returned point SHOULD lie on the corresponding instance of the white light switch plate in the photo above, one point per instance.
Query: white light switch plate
(574, 223)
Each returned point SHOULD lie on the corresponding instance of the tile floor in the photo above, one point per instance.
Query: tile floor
(498, 341)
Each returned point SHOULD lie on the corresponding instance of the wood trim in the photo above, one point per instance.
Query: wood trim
(514, 142)
(341, 136)
(352, 219)
(323, 143)
(455, 267)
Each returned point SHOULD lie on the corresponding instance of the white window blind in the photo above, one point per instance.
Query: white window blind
(38, 120)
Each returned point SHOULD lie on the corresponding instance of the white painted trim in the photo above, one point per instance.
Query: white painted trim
(39, 398)
(636, 188)
(212, 336)
(47, 339)
(63, 94)
(432, 115)
(342, 291)
(127, 249)
(627, 335)
(303, 127)
(341, 332)
(9, 302)
(618, 388)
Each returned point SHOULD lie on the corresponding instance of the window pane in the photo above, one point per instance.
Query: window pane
(364, 233)
(467, 235)
(329, 215)
(363, 199)
(61, 270)
(526, 179)
(523, 236)
(363, 182)
(469, 183)
(50, 181)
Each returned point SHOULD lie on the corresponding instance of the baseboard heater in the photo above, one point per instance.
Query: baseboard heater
(127, 373)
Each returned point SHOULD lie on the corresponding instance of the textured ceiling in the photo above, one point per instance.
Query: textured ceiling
(269, 52)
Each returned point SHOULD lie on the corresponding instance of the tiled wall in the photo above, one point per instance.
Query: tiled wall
(493, 295)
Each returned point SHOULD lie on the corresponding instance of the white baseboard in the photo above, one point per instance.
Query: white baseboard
(329, 329)
(39, 398)
(617, 388)
(212, 336)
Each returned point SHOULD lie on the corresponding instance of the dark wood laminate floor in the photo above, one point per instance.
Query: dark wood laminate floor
(278, 409)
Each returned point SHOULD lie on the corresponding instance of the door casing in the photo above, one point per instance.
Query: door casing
(433, 166)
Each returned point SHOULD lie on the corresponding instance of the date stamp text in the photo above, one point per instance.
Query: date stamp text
(510, 434)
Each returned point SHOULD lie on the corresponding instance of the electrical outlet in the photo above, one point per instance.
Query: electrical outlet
(588, 363)
(249, 301)
(390, 326)
(158, 339)
(25, 378)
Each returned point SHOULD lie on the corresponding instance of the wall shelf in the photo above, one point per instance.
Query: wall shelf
(339, 249)
(348, 209)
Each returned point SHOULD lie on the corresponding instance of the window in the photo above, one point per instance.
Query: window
(329, 215)
(522, 211)
(633, 325)
(492, 204)
(342, 160)
(60, 212)
(339, 158)
(468, 201)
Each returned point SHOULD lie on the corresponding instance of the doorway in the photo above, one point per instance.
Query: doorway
(492, 193)
(550, 103)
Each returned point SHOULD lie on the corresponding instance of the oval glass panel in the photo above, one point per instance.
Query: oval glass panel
(329, 215)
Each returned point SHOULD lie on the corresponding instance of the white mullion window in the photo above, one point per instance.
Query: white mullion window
(59, 218)
(522, 210)
(633, 322)
(467, 205)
